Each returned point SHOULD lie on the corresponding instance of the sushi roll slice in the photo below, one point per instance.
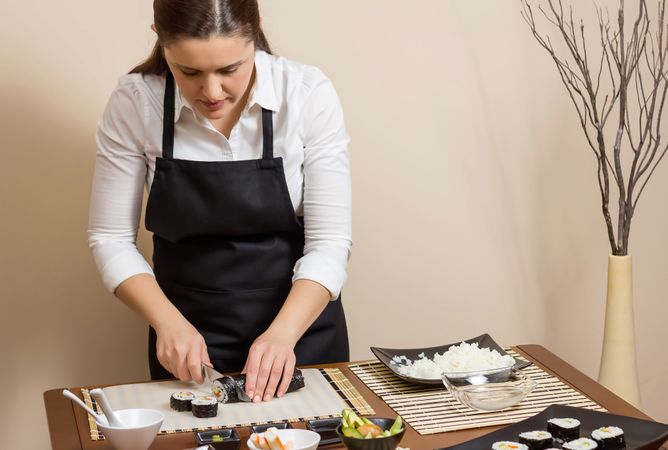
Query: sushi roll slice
(581, 444)
(508, 445)
(206, 406)
(609, 438)
(564, 429)
(536, 440)
(181, 401)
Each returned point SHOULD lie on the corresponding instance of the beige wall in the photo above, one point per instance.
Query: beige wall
(475, 202)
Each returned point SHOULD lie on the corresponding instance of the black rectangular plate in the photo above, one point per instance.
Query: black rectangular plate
(326, 429)
(385, 356)
(640, 434)
(278, 425)
(231, 440)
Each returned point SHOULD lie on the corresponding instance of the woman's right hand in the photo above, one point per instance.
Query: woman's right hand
(181, 350)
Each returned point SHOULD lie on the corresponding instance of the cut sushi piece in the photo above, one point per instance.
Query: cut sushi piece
(180, 401)
(536, 440)
(581, 444)
(609, 438)
(206, 406)
(564, 429)
(508, 445)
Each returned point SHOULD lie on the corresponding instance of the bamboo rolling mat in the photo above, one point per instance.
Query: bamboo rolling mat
(431, 410)
(327, 392)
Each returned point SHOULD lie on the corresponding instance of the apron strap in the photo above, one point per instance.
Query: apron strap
(267, 135)
(168, 118)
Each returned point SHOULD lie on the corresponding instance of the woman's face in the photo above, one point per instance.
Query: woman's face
(212, 74)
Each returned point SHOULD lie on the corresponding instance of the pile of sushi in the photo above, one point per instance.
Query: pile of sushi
(564, 433)
(205, 406)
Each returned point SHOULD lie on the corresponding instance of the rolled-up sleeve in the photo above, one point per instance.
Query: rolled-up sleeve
(327, 190)
(118, 186)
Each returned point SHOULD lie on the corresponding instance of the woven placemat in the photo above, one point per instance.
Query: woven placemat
(334, 377)
(431, 410)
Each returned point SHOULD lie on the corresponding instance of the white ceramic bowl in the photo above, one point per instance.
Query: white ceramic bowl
(303, 439)
(140, 428)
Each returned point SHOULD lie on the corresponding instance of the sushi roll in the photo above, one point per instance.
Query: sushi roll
(508, 445)
(181, 401)
(609, 438)
(580, 444)
(206, 406)
(564, 429)
(536, 440)
(232, 389)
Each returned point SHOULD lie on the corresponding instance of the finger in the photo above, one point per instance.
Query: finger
(288, 371)
(274, 377)
(164, 361)
(251, 369)
(263, 375)
(181, 364)
(194, 364)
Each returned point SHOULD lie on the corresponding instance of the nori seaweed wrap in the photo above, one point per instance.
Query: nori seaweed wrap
(181, 401)
(205, 406)
(232, 389)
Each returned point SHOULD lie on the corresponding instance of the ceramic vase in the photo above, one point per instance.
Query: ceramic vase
(618, 371)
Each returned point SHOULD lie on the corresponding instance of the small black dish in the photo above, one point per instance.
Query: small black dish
(278, 425)
(639, 434)
(326, 428)
(385, 356)
(383, 443)
(228, 439)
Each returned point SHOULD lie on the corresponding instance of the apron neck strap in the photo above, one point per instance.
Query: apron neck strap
(267, 134)
(168, 124)
(168, 118)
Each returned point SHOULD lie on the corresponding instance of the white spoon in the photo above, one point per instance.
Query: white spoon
(78, 401)
(101, 400)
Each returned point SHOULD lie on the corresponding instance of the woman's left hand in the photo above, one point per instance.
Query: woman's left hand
(270, 365)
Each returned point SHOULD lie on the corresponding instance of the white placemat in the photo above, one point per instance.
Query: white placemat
(317, 399)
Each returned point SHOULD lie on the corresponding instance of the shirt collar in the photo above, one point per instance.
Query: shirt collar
(262, 92)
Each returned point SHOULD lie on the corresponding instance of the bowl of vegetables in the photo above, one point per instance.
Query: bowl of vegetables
(377, 433)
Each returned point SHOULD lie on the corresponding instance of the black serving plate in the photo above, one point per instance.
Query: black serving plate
(278, 425)
(639, 434)
(326, 428)
(385, 356)
(230, 439)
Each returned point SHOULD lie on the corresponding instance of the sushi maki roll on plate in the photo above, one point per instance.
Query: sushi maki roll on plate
(508, 445)
(609, 438)
(565, 429)
(536, 440)
(206, 406)
(181, 401)
(581, 444)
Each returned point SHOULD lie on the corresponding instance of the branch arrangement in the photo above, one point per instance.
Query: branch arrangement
(625, 88)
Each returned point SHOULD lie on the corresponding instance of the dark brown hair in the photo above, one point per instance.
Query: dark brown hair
(200, 19)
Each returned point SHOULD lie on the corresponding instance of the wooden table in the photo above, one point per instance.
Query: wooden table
(68, 425)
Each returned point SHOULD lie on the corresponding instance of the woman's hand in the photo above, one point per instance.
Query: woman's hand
(270, 365)
(181, 350)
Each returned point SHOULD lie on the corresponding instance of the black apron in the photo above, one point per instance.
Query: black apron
(225, 242)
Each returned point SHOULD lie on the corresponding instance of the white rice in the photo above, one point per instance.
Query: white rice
(565, 422)
(581, 444)
(606, 433)
(508, 445)
(464, 357)
(536, 435)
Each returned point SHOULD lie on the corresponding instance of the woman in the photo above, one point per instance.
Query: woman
(244, 156)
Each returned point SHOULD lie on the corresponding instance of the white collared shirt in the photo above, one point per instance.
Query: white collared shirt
(309, 134)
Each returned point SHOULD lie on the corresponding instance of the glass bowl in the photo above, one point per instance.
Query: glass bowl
(489, 390)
